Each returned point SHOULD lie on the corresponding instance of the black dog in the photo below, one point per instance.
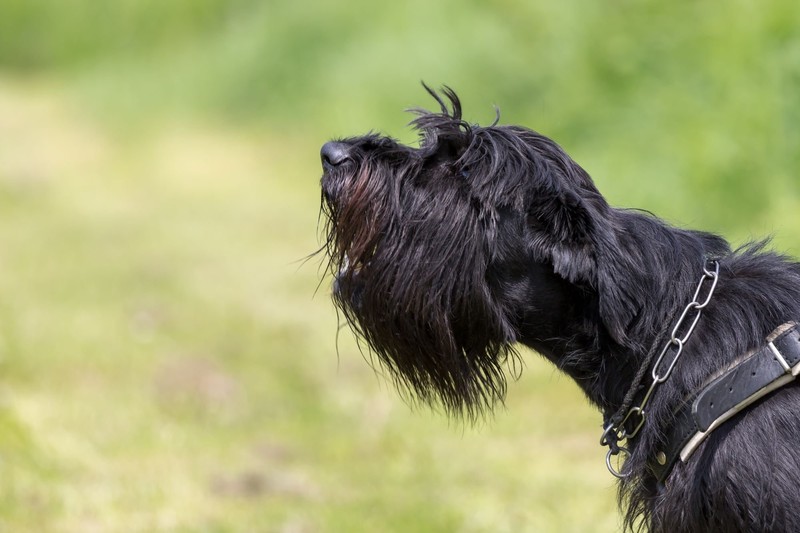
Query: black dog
(446, 255)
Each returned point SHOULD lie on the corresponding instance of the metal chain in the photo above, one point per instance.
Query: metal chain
(636, 416)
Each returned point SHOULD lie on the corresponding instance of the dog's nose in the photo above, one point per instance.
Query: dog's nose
(334, 154)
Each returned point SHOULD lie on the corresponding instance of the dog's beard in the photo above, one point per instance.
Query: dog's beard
(410, 278)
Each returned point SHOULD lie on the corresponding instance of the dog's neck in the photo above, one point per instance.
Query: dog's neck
(571, 329)
(568, 336)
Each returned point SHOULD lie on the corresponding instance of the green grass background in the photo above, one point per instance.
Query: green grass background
(166, 360)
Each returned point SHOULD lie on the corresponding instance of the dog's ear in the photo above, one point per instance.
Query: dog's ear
(572, 229)
(618, 284)
(561, 227)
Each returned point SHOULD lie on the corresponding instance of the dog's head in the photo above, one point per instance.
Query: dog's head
(445, 253)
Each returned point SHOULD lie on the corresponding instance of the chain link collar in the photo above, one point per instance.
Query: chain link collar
(634, 417)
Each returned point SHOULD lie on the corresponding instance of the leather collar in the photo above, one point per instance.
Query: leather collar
(772, 366)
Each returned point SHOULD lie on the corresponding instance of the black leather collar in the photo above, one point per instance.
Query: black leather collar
(768, 368)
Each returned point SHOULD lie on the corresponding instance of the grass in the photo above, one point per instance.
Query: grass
(167, 367)
(165, 363)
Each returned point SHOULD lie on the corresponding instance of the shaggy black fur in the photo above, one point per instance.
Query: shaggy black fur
(446, 255)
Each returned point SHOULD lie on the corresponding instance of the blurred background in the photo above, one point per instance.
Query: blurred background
(168, 359)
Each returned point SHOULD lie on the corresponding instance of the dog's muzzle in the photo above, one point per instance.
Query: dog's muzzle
(334, 154)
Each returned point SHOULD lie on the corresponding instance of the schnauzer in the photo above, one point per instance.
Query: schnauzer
(446, 255)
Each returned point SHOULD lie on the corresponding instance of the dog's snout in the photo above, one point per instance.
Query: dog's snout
(334, 154)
